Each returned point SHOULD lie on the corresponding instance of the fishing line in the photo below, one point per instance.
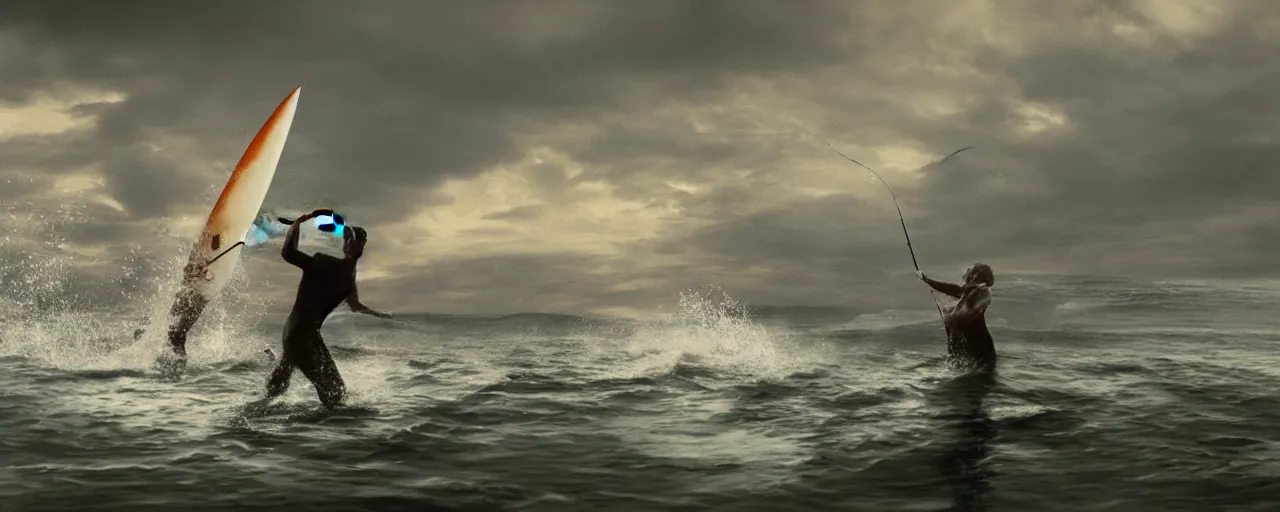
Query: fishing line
(902, 220)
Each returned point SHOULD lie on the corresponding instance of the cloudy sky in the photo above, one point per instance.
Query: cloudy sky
(601, 156)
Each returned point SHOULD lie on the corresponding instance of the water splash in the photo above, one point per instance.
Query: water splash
(716, 330)
(67, 309)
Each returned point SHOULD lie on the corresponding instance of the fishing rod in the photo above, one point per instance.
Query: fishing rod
(901, 219)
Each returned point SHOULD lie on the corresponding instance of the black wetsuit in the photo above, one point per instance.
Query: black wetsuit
(326, 282)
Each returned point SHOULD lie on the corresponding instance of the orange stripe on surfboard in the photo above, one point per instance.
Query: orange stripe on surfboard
(250, 156)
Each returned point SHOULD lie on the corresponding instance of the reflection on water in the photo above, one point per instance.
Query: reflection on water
(964, 462)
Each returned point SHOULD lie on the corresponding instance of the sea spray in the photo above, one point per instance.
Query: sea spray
(715, 331)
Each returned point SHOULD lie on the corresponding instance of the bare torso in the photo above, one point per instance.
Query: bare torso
(970, 342)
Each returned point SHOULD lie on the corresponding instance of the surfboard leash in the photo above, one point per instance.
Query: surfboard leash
(224, 253)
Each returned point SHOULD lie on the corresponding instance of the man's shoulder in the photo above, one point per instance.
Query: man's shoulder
(324, 261)
(979, 290)
(983, 295)
(331, 262)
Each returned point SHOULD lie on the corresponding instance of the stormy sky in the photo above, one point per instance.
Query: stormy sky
(602, 156)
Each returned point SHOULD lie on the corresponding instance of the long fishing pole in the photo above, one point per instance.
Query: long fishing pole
(901, 219)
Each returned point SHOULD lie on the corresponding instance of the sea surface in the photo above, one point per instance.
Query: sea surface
(1111, 396)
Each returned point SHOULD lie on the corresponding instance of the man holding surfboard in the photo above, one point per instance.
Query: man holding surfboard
(968, 340)
(326, 283)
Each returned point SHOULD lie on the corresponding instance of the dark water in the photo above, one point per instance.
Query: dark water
(1111, 396)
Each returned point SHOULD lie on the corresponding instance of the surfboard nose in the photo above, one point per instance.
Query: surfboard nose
(289, 105)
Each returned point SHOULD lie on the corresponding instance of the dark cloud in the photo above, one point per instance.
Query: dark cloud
(824, 234)
(1153, 153)
(397, 95)
(554, 283)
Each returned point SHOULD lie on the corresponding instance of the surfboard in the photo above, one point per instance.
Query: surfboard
(216, 252)
(241, 199)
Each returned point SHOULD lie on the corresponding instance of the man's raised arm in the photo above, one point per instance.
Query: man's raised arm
(954, 290)
(290, 251)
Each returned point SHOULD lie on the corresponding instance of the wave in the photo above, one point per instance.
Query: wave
(531, 317)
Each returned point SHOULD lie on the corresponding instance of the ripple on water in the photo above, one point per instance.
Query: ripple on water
(698, 412)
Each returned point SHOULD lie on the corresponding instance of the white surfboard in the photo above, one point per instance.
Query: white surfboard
(217, 252)
(241, 199)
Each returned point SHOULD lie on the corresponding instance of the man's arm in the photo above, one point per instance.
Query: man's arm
(972, 304)
(954, 290)
(290, 250)
(353, 300)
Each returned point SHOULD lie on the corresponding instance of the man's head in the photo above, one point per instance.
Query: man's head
(353, 240)
(979, 273)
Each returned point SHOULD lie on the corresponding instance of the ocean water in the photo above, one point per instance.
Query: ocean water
(1111, 396)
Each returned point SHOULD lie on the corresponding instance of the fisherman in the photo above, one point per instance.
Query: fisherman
(968, 340)
(326, 282)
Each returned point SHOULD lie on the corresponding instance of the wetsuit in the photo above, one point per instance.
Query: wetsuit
(326, 282)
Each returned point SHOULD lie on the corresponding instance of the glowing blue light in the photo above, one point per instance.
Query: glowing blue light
(330, 224)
